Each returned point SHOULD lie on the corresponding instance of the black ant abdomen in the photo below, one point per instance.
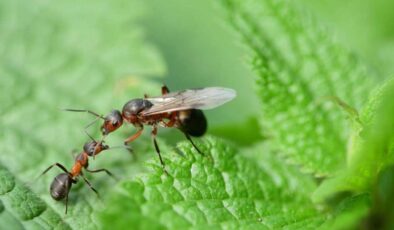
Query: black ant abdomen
(61, 186)
(193, 122)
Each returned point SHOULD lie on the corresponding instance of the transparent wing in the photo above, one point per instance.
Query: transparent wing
(204, 98)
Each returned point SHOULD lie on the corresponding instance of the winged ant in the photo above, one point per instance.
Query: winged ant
(181, 110)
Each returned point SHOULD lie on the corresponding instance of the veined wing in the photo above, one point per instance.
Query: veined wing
(204, 98)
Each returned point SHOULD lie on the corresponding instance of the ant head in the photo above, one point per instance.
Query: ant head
(93, 148)
(60, 186)
(112, 122)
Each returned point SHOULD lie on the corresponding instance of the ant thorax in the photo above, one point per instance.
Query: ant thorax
(133, 107)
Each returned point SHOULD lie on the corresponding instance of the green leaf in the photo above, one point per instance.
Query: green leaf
(65, 54)
(26, 208)
(224, 189)
(1, 207)
(348, 213)
(371, 149)
(382, 213)
(371, 210)
(298, 66)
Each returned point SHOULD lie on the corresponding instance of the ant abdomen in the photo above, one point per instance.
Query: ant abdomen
(60, 186)
(193, 122)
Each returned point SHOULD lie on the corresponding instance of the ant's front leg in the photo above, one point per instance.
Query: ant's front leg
(135, 136)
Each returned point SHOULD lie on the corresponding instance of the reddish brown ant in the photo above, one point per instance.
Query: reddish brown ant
(181, 110)
(62, 183)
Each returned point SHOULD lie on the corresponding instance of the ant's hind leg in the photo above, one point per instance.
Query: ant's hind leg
(67, 201)
(154, 133)
(191, 141)
(50, 167)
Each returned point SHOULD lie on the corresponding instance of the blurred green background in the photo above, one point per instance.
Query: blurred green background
(364, 26)
(199, 50)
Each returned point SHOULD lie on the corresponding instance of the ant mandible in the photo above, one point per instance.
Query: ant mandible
(180, 110)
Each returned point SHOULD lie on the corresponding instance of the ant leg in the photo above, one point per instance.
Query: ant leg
(191, 141)
(101, 170)
(154, 133)
(164, 90)
(169, 124)
(127, 147)
(90, 185)
(135, 136)
(50, 167)
(172, 120)
(67, 201)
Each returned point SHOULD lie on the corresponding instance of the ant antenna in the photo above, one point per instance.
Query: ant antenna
(98, 116)
(85, 110)
(121, 147)
(86, 132)
(89, 135)
(96, 147)
(90, 124)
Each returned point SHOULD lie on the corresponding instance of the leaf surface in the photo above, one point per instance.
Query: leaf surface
(56, 55)
(224, 189)
(372, 148)
(298, 67)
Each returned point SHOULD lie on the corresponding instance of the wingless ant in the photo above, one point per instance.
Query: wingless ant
(180, 110)
(62, 183)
